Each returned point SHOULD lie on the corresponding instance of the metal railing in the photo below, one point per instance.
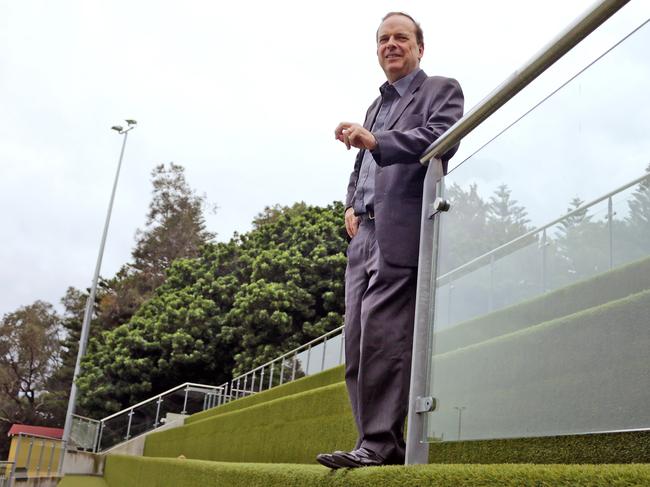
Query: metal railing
(582, 209)
(320, 354)
(34, 457)
(419, 403)
(146, 416)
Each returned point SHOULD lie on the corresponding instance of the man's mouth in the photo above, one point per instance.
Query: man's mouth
(393, 56)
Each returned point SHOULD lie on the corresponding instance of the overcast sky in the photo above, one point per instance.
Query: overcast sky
(245, 95)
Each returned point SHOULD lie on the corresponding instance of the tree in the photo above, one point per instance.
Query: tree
(637, 233)
(582, 245)
(237, 305)
(59, 383)
(175, 229)
(29, 354)
(505, 218)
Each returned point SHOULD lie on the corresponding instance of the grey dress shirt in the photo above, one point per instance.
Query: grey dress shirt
(364, 197)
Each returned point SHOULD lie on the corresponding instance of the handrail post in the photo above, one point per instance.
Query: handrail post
(158, 405)
(308, 359)
(99, 436)
(322, 363)
(417, 451)
(610, 227)
(187, 390)
(128, 426)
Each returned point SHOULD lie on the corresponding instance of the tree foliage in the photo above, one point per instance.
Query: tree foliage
(235, 306)
(175, 229)
(29, 355)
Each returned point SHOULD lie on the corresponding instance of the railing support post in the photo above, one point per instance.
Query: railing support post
(417, 451)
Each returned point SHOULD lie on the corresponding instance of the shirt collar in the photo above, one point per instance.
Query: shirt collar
(402, 84)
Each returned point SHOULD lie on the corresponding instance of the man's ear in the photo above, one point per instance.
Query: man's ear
(420, 51)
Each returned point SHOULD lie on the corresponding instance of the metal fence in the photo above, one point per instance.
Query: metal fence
(100, 435)
(322, 353)
(33, 457)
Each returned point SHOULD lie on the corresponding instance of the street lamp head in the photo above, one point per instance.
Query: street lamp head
(131, 122)
(117, 128)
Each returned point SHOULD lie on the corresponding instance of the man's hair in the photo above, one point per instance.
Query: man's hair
(419, 35)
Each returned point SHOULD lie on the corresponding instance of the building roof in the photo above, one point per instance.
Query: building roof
(36, 431)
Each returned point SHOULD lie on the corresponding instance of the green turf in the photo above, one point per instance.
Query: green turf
(82, 481)
(290, 429)
(630, 447)
(583, 372)
(612, 285)
(330, 376)
(161, 472)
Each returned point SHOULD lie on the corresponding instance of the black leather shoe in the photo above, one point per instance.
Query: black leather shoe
(361, 457)
(328, 460)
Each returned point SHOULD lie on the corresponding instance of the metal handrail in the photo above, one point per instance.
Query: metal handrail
(566, 40)
(295, 351)
(158, 396)
(526, 235)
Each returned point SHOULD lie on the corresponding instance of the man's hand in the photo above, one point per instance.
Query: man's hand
(354, 135)
(351, 222)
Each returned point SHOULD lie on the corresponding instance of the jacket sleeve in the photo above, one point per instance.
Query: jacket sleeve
(406, 146)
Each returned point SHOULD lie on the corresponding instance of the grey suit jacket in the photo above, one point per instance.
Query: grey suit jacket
(430, 106)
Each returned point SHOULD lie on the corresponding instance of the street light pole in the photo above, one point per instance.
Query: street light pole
(460, 415)
(85, 327)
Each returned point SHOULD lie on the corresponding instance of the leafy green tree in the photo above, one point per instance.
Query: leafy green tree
(29, 353)
(236, 305)
(175, 229)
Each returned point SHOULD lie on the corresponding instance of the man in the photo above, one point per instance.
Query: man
(384, 203)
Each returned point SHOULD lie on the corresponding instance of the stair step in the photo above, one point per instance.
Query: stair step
(156, 472)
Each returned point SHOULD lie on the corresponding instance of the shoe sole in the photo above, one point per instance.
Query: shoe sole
(326, 462)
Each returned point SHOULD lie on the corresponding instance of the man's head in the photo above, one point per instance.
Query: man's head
(400, 45)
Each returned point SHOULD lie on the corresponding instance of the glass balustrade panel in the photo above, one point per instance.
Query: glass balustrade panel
(540, 319)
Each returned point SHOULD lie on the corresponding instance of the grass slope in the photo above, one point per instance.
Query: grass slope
(612, 285)
(290, 429)
(328, 377)
(158, 472)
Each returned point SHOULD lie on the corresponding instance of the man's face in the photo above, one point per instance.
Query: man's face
(397, 48)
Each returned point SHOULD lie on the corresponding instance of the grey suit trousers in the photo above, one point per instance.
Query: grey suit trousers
(380, 310)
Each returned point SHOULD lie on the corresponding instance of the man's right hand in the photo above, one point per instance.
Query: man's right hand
(351, 222)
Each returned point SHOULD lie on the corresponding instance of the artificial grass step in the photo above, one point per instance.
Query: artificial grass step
(505, 393)
(82, 481)
(290, 429)
(585, 372)
(588, 293)
(162, 472)
(325, 378)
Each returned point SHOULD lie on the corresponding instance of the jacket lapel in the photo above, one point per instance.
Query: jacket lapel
(372, 114)
(406, 99)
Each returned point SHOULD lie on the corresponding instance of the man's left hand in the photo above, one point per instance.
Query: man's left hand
(354, 135)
